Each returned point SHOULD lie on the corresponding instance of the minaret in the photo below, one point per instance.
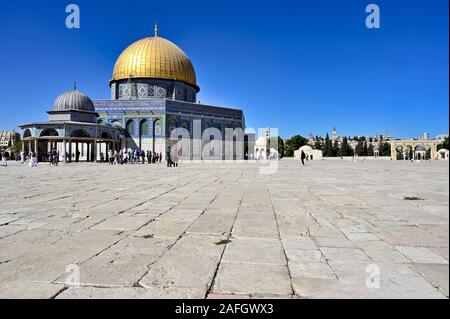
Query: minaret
(334, 134)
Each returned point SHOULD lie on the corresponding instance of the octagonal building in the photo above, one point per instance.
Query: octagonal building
(153, 91)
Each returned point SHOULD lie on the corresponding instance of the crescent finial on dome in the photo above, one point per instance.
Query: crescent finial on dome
(156, 30)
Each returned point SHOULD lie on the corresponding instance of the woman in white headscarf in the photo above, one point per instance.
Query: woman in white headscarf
(33, 159)
(3, 161)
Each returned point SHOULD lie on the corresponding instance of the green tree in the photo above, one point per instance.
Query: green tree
(341, 150)
(370, 150)
(17, 147)
(328, 147)
(385, 149)
(365, 149)
(345, 149)
(428, 154)
(293, 144)
(443, 144)
(318, 144)
(359, 149)
(335, 149)
(276, 140)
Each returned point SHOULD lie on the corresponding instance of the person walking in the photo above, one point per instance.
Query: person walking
(33, 159)
(303, 157)
(3, 161)
(169, 162)
(175, 158)
(149, 157)
(111, 157)
(160, 157)
(50, 158)
(55, 157)
(143, 156)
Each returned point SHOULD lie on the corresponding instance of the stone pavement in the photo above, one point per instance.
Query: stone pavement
(332, 229)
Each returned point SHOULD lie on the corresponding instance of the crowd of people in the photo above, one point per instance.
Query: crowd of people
(122, 157)
(129, 156)
(53, 157)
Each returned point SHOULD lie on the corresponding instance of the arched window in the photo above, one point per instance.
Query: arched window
(106, 135)
(27, 133)
(49, 133)
(157, 128)
(144, 128)
(130, 127)
(80, 133)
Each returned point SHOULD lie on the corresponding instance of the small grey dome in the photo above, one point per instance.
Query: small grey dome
(74, 100)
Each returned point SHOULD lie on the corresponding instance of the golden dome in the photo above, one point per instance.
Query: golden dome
(155, 57)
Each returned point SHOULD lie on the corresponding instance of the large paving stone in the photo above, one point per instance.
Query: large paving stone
(421, 255)
(123, 222)
(29, 290)
(164, 228)
(311, 269)
(252, 279)
(130, 293)
(351, 254)
(211, 223)
(123, 264)
(190, 263)
(437, 274)
(254, 251)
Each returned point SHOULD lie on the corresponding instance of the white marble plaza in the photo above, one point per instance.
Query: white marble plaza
(332, 229)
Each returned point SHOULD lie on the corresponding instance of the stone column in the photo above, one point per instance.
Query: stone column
(36, 148)
(433, 152)
(64, 151)
(393, 151)
(94, 151)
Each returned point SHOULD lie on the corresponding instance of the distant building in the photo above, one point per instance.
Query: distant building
(311, 154)
(263, 148)
(415, 149)
(7, 140)
(352, 140)
(441, 137)
(442, 154)
(73, 128)
(334, 137)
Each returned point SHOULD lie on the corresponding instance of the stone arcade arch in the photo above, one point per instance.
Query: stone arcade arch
(409, 146)
(26, 134)
(49, 132)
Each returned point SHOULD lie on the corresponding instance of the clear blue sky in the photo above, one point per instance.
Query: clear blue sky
(302, 66)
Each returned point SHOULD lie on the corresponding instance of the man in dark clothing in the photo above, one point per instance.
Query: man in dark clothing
(169, 161)
(149, 157)
(303, 157)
